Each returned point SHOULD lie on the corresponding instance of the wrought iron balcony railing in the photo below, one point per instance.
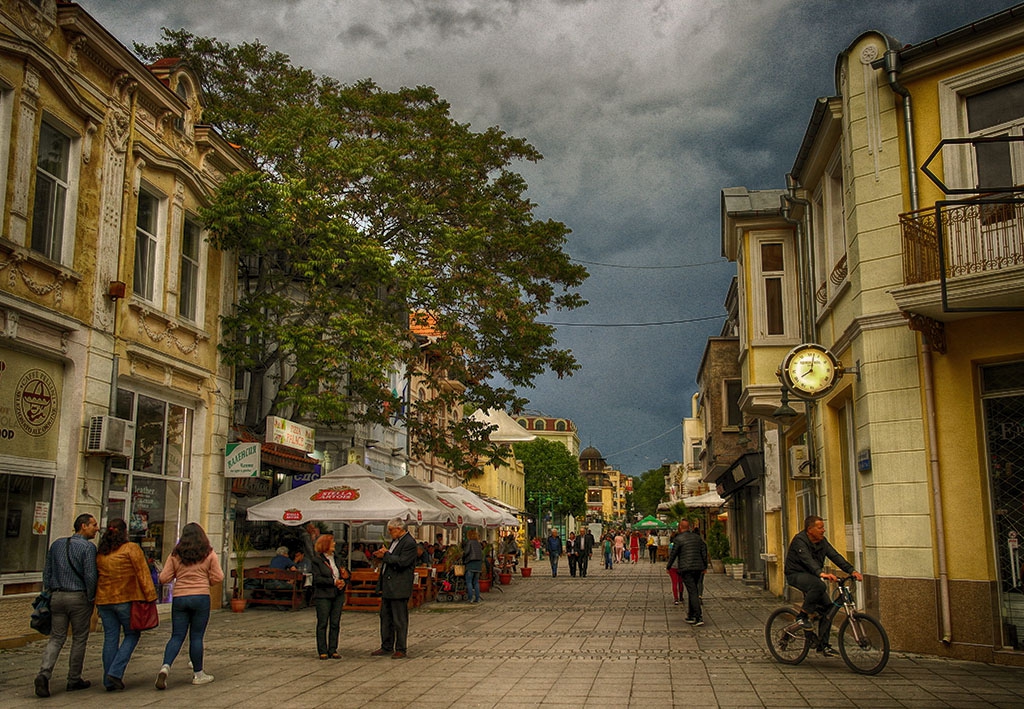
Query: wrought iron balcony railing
(961, 237)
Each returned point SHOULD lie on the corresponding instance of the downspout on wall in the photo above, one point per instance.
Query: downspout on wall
(891, 64)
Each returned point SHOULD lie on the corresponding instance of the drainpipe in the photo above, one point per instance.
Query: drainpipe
(892, 65)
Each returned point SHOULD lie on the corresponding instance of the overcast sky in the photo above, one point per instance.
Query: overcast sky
(644, 110)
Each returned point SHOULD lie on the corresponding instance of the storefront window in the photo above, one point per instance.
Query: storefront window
(150, 490)
(25, 502)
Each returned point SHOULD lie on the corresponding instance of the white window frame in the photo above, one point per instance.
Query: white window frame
(6, 126)
(958, 160)
(68, 184)
(200, 265)
(790, 326)
(157, 239)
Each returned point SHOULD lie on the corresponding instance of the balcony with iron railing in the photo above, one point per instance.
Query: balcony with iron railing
(963, 256)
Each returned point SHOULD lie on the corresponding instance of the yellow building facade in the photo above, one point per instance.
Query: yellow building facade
(904, 256)
(112, 393)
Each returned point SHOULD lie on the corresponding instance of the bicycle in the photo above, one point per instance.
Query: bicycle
(863, 642)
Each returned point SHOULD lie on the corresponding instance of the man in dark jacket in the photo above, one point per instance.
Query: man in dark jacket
(585, 546)
(395, 585)
(554, 550)
(690, 558)
(805, 561)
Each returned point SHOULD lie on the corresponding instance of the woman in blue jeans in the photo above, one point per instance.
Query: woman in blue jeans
(123, 577)
(194, 567)
(473, 558)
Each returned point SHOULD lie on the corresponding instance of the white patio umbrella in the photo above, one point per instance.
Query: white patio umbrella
(350, 494)
(484, 514)
(449, 513)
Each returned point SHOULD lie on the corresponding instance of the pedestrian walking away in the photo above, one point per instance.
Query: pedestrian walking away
(634, 547)
(652, 545)
(193, 566)
(690, 558)
(395, 587)
(124, 578)
(70, 575)
(620, 544)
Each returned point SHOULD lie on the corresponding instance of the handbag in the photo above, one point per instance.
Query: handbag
(144, 615)
(41, 619)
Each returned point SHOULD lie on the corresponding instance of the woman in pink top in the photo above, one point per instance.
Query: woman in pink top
(620, 543)
(194, 567)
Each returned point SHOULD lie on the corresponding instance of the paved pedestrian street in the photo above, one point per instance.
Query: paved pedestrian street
(613, 639)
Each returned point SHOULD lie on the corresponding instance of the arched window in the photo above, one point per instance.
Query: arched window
(538, 425)
(560, 425)
(524, 423)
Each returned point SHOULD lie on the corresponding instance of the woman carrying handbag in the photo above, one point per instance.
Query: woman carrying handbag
(123, 579)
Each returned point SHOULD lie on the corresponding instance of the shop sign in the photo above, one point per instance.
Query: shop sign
(299, 479)
(242, 460)
(30, 391)
(290, 434)
(251, 487)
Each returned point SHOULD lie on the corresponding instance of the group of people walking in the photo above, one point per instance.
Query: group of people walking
(111, 577)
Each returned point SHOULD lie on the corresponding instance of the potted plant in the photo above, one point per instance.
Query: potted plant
(453, 557)
(718, 546)
(525, 569)
(733, 567)
(242, 545)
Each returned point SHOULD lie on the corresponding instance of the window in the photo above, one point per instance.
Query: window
(773, 292)
(49, 212)
(560, 426)
(998, 111)
(733, 390)
(22, 497)
(188, 287)
(829, 232)
(772, 267)
(538, 425)
(146, 224)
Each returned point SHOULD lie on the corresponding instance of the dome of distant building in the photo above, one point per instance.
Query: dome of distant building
(591, 453)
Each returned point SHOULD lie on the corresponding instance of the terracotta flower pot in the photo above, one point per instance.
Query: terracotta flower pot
(526, 572)
(237, 605)
(505, 579)
(485, 585)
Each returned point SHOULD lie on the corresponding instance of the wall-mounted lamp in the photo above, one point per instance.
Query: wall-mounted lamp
(117, 290)
(785, 414)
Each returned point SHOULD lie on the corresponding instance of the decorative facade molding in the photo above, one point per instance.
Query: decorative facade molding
(169, 332)
(932, 330)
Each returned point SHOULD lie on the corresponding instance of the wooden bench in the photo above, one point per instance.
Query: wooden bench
(291, 593)
(361, 591)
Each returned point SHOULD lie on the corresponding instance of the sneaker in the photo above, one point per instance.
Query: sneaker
(691, 621)
(827, 651)
(202, 678)
(804, 622)
(675, 603)
(161, 677)
(699, 622)
(42, 685)
(76, 684)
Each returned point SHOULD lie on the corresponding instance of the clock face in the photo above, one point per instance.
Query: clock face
(810, 370)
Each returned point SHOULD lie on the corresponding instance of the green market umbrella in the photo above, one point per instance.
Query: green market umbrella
(651, 522)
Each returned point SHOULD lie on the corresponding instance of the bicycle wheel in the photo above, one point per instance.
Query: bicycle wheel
(869, 654)
(786, 641)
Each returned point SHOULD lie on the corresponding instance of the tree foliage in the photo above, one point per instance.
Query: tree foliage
(368, 205)
(552, 472)
(649, 491)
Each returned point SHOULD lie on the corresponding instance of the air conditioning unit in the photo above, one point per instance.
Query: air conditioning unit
(109, 435)
(800, 466)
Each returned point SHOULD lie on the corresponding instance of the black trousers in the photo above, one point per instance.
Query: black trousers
(573, 560)
(394, 624)
(583, 561)
(815, 592)
(691, 580)
(328, 620)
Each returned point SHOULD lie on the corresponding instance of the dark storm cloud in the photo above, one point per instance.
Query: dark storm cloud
(644, 111)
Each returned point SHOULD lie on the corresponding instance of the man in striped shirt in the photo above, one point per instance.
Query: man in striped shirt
(70, 576)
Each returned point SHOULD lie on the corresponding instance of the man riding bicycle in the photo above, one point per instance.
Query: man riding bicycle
(804, 570)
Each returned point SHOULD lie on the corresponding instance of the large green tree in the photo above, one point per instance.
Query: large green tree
(368, 205)
(552, 474)
(649, 491)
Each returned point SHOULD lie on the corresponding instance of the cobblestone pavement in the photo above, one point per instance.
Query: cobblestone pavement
(613, 639)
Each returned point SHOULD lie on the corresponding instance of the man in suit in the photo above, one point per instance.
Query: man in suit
(585, 547)
(395, 586)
